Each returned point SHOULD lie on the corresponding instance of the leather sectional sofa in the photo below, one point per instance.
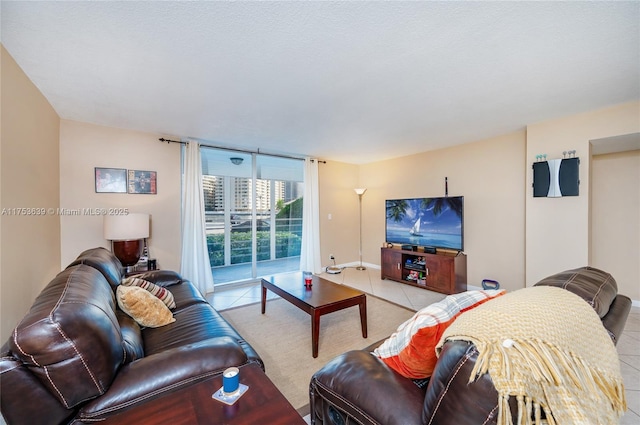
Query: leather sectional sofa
(77, 358)
(358, 387)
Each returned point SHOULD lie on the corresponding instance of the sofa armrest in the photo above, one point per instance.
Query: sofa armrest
(148, 378)
(616, 317)
(451, 399)
(24, 400)
(358, 387)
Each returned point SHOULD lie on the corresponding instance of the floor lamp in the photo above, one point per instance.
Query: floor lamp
(360, 192)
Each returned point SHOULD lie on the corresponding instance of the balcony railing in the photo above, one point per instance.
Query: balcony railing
(288, 240)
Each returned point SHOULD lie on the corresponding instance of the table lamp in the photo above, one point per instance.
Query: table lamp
(125, 233)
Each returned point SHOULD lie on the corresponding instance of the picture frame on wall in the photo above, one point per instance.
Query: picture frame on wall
(142, 181)
(111, 180)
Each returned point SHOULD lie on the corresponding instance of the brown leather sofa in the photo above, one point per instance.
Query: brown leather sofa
(357, 387)
(76, 358)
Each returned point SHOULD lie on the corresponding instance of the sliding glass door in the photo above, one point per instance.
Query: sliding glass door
(253, 208)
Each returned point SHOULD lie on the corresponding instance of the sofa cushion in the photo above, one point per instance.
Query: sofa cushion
(194, 323)
(410, 351)
(595, 286)
(102, 260)
(186, 294)
(70, 338)
(145, 308)
(158, 291)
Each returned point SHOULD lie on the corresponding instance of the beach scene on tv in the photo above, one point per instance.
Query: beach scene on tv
(432, 222)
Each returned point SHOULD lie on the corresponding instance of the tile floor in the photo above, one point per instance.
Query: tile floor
(415, 298)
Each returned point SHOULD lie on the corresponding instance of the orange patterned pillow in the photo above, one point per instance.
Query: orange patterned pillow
(410, 351)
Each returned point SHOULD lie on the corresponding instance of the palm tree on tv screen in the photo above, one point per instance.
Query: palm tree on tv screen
(438, 204)
(397, 209)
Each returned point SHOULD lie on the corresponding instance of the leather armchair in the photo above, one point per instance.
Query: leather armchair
(357, 387)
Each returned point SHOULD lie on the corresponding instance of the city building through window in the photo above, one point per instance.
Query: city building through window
(253, 209)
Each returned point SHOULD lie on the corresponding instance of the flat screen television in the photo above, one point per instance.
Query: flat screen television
(429, 222)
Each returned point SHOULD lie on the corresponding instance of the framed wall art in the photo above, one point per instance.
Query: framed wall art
(140, 181)
(111, 180)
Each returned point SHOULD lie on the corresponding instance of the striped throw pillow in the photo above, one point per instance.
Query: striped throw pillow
(162, 293)
(410, 351)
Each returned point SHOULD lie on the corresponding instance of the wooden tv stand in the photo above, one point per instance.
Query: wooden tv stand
(444, 271)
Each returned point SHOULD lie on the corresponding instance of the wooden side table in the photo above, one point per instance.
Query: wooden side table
(261, 404)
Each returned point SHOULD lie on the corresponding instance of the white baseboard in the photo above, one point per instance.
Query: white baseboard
(356, 264)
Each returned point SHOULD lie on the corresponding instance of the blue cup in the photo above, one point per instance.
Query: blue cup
(230, 380)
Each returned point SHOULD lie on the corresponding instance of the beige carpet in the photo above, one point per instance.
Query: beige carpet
(282, 337)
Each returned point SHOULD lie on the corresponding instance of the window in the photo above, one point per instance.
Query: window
(253, 209)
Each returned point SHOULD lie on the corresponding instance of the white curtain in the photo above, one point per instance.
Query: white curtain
(195, 265)
(310, 250)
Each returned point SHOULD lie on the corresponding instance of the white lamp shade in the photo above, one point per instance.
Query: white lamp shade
(360, 191)
(126, 227)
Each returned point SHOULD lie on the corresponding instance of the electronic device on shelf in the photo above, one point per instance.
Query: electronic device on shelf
(430, 222)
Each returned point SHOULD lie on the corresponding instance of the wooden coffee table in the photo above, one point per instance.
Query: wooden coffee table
(322, 297)
(193, 405)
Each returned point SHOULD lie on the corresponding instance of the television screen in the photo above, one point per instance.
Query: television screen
(429, 222)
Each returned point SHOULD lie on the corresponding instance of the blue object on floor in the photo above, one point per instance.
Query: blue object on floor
(490, 284)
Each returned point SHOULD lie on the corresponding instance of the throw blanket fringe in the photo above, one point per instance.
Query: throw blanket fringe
(570, 371)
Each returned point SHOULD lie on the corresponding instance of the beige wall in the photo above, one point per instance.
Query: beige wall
(338, 234)
(615, 218)
(557, 229)
(490, 174)
(84, 147)
(30, 245)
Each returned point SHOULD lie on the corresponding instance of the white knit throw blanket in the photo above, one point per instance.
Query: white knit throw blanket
(548, 348)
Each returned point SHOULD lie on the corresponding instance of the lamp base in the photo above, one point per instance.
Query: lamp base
(128, 252)
(361, 268)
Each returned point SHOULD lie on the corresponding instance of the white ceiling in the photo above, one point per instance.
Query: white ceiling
(348, 81)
